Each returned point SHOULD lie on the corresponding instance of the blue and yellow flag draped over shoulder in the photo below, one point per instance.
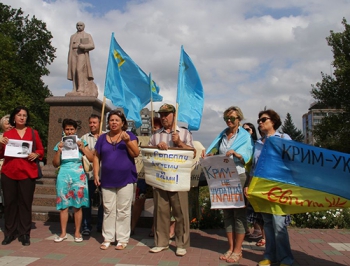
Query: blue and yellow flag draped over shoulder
(190, 96)
(127, 85)
(291, 177)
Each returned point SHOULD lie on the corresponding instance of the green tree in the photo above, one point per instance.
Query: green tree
(289, 128)
(26, 50)
(334, 91)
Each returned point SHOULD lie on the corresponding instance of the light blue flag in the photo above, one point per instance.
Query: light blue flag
(127, 85)
(190, 96)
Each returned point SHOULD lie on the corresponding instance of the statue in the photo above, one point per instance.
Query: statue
(79, 67)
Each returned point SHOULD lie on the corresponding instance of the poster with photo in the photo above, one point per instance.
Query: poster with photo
(70, 148)
(18, 148)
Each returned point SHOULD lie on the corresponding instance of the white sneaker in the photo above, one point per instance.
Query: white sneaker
(158, 249)
(181, 251)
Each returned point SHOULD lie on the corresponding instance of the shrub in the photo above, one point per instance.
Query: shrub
(210, 218)
(330, 219)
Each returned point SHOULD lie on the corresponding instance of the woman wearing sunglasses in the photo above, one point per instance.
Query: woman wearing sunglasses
(275, 226)
(234, 142)
(253, 217)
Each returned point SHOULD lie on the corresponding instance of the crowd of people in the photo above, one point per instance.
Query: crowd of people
(117, 218)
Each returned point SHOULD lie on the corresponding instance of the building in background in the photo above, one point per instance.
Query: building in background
(146, 127)
(313, 117)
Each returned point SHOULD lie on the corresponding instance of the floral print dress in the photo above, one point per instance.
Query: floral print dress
(71, 184)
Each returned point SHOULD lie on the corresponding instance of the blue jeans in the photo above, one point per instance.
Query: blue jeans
(86, 222)
(277, 247)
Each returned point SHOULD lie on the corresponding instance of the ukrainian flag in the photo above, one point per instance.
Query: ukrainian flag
(291, 177)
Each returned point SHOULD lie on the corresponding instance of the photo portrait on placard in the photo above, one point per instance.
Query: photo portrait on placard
(70, 147)
(18, 148)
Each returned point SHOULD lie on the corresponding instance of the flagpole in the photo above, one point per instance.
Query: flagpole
(150, 86)
(102, 115)
(175, 118)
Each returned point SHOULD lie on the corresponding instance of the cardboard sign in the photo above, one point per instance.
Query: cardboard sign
(169, 170)
(225, 187)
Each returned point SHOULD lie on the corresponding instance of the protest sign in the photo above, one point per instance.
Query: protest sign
(70, 148)
(169, 170)
(196, 167)
(18, 148)
(225, 187)
(142, 140)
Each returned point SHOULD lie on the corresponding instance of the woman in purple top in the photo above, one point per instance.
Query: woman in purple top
(115, 152)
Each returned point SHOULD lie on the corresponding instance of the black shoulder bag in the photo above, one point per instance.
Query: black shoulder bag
(40, 174)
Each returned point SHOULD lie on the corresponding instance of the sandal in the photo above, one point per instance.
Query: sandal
(226, 255)
(235, 257)
(105, 245)
(261, 242)
(121, 246)
(255, 234)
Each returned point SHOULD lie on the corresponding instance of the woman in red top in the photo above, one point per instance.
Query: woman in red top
(18, 178)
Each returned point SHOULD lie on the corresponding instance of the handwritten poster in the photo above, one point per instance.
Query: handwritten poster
(196, 167)
(169, 170)
(225, 187)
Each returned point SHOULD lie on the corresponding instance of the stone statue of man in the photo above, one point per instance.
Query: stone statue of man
(79, 66)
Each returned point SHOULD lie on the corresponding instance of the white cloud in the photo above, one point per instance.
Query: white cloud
(249, 53)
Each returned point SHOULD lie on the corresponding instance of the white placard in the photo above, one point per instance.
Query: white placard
(196, 167)
(18, 148)
(143, 140)
(225, 187)
(169, 170)
(70, 148)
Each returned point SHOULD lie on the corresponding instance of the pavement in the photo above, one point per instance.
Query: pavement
(310, 247)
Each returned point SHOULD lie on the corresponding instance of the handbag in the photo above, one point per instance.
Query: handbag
(40, 173)
(86, 164)
(97, 198)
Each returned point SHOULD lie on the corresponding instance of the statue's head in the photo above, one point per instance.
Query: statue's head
(80, 26)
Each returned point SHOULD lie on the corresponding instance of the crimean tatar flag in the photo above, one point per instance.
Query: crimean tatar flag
(127, 85)
(291, 177)
(190, 96)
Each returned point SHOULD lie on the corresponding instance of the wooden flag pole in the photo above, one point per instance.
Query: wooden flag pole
(175, 118)
(102, 115)
(152, 119)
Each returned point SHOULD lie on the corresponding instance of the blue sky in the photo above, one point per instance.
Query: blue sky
(249, 53)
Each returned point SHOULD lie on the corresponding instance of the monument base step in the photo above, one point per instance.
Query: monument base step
(51, 214)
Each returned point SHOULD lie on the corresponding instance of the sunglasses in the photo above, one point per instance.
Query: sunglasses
(231, 118)
(248, 128)
(262, 120)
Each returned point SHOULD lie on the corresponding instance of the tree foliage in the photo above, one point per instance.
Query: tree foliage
(334, 91)
(289, 128)
(26, 50)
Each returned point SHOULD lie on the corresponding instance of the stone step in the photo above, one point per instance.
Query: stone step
(51, 214)
(45, 189)
(46, 181)
(44, 200)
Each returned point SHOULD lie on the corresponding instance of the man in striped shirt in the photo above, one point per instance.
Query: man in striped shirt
(91, 138)
(164, 138)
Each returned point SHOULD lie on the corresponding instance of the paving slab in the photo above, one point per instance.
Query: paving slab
(310, 247)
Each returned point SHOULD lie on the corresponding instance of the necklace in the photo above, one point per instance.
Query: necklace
(114, 143)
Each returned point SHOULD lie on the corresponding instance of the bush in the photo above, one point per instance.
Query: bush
(209, 219)
(331, 219)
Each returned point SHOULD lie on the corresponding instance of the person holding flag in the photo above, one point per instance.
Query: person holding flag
(164, 138)
(275, 226)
